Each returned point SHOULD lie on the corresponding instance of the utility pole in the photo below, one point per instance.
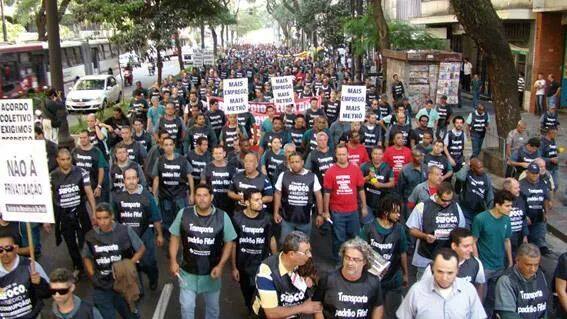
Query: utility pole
(4, 30)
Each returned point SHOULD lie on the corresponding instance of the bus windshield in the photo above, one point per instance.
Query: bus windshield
(90, 85)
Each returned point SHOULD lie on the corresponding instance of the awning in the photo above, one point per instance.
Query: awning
(519, 50)
(507, 14)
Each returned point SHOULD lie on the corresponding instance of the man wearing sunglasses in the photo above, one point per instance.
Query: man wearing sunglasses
(67, 305)
(20, 284)
(431, 222)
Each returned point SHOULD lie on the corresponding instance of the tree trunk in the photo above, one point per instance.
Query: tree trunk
(179, 51)
(222, 36)
(202, 35)
(159, 66)
(215, 40)
(41, 23)
(483, 25)
(381, 24)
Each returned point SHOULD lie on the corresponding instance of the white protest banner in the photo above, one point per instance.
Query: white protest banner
(353, 103)
(235, 95)
(198, 58)
(25, 190)
(282, 87)
(16, 119)
(208, 57)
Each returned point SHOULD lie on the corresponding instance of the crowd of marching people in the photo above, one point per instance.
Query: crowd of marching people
(415, 226)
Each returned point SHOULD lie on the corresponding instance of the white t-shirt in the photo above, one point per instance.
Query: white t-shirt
(467, 68)
(540, 85)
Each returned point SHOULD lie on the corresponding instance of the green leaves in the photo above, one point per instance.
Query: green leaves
(403, 36)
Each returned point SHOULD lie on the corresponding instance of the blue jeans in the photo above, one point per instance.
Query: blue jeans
(476, 144)
(475, 99)
(345, 226)
(288, 227)
(554, 174)
(188, 299)
(539, 104)
(169, 209)
(551, 101)
(109, 302)
(148, 263)
(492, 276)
(537, 234)
(372, 212)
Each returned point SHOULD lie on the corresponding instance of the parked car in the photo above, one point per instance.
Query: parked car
(93, 93)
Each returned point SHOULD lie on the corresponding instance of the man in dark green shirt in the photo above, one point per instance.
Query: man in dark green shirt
(492, 230)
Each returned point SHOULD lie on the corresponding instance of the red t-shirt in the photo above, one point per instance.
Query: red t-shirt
(343, 185)
(397, 159)
(358, 155)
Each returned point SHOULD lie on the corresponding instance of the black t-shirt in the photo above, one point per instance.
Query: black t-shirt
(68, 189)
(552, 88)
(342, 298)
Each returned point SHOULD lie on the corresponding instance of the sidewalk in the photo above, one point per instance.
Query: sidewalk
(557, 220)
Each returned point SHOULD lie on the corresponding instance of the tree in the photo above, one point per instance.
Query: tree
(26, 10)
(138, 21)
(380, 23)
(482, 24)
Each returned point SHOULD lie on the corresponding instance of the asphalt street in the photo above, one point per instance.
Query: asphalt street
(140, 74)
(231, 303)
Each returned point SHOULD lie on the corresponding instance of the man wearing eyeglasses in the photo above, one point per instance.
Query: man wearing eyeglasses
(351, 291)
(67, 305)
(431, 222)
(281, 291)
(22, 287)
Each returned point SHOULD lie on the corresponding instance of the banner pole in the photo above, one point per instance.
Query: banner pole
(31, 246)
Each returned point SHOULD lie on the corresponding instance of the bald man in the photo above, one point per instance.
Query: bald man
(516, 139)
(477, 194)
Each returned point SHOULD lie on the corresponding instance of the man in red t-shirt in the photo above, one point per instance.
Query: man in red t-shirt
(357, 153)
(397, 155)
(343, 185)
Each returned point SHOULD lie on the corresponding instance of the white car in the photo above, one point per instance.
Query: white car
(93, 93)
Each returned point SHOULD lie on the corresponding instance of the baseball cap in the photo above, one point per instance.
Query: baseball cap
(533, 168)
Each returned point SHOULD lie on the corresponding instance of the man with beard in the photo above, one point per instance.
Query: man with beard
(397, 155)
(199, 129)
(417, 134)
(400, 126)
(357, 154)
(254, 243)
(297, 190)
(455, 141)
(351, 291)
(388, 238)
(431, 222)
(379, 179)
